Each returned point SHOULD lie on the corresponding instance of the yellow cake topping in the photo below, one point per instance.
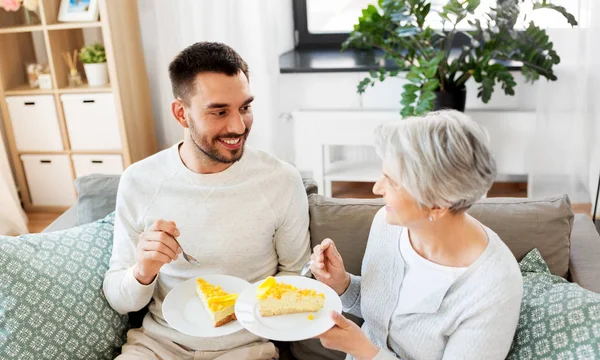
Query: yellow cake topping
(271, 288)
(311, 317)
(216, 298)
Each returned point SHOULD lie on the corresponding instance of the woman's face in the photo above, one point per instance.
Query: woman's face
(401, 207)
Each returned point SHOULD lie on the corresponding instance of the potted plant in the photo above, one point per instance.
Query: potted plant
(93, 58)
(437, 72)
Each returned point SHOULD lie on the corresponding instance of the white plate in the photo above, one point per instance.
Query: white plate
(185, 312)
(293, 327)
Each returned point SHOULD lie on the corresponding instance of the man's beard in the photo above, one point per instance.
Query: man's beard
(211, 150)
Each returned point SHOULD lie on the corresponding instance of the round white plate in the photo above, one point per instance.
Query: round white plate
(293, 327)
(185, 312)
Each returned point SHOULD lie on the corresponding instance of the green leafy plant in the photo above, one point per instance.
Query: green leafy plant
(93, 54)
(399, 29)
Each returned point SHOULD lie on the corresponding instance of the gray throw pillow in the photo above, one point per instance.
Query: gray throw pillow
(51, 300)
(558, 320)
(97, 196)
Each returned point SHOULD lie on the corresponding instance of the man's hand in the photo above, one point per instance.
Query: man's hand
(347, 337)
(157, 246)
(328, 267)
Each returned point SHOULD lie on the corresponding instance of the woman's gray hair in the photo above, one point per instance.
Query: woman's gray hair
(442, 159)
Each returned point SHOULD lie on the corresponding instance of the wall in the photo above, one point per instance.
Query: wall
(258, 30)
(510, 120)
(542, 130)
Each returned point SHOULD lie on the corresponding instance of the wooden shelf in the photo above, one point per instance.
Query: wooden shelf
(96, 152)
(79, 25)
(86, 89)
(63, 152)
(118, 29)
(73, 152)
(26, 90)
(20, 29)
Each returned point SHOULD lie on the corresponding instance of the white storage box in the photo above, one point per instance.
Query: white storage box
(34, 122)
(49, 179)
(97, 164)
(91, 121)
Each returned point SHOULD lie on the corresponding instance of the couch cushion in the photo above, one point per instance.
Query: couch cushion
(525, 224)
(51, 300)
(558, 320)
(97, 196)
(347, 222)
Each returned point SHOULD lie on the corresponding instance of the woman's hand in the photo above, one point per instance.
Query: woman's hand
(347, 337)
(328, 267)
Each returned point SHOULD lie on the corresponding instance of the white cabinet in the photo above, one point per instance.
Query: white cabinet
(97, 164)
(34, 123)
(49, 179)
(91, 121)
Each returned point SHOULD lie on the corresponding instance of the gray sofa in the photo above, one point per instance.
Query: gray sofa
(569, 243)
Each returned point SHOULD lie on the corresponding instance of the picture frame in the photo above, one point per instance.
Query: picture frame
(78, 10)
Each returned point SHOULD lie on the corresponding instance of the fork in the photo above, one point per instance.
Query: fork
(189, 258)
(306, 268)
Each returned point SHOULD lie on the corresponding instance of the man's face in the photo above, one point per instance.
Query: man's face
(219, 115)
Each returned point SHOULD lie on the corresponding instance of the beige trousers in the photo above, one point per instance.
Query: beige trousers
(143, 347)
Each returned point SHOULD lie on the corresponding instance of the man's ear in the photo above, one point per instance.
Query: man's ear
(178, 110)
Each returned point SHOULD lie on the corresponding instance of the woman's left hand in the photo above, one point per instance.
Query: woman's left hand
(347, 337)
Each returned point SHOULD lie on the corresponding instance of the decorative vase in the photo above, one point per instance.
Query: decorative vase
(97, 74)
(451, 98)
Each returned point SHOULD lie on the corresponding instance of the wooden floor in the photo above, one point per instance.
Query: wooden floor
(39, 221)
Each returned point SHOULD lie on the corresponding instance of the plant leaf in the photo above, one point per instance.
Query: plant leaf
(407, 111)
(413, 77)
(561, 9)
(431, 85)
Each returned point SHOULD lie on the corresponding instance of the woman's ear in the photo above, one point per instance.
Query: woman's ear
(437, 213)
(178, 110)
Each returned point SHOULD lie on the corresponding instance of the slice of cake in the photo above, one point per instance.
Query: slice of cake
(279, 298)
(219, 303)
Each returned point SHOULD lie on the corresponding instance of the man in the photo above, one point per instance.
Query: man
(237, 210)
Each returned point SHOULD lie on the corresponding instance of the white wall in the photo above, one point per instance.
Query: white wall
(259, 30)
(510, 120)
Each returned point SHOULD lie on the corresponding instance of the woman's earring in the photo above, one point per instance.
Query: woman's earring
(431, 218)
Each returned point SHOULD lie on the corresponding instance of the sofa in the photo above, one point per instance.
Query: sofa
(569, 243)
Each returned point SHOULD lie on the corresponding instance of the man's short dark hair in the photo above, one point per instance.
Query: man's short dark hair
(203, 57)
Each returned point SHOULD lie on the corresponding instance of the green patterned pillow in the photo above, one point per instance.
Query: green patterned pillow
(559, 320)
(51, 300)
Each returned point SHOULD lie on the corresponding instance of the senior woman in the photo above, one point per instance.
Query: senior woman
(436, 283)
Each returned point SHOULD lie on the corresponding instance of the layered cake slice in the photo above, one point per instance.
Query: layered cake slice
(279, 298)
(219, 303)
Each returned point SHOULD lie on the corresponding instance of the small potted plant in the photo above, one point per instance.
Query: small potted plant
(93, 58)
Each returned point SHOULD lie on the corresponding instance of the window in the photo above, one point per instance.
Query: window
(329, 21)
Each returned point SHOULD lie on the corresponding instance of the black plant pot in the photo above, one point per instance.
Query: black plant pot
(451, 98)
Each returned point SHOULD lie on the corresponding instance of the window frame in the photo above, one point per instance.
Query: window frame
(304, 39)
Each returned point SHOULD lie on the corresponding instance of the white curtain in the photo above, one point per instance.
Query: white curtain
(12, 217)
(259, 30)
(563, 156)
